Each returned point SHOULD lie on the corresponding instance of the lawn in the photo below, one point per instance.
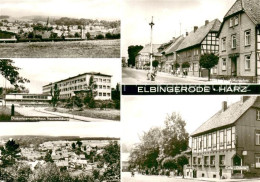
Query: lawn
(5, 113)
(66, 49)
(110, 114)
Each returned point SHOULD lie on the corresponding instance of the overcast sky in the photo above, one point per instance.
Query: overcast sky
(168, 14)
(100, 9)
(43, 71)
(140, 113)
(82, 129)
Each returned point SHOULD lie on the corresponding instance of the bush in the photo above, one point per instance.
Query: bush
(100, 36)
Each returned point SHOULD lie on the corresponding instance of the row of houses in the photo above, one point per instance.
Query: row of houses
(236, 41)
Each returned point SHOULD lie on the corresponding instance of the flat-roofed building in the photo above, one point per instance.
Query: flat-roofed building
(26, 98)
(80, 83)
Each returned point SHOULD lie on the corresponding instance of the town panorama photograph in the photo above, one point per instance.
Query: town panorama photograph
(198, 41)
(60, 29)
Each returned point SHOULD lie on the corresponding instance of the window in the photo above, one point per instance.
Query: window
(108, 94)
(199, 161)
(100, 79)
(247, 38)
(230, 22)
(100, 86)
(221, 138)
(224, 64)
(229, 137)
(108, 87)
(209, 141)
(205, 141)
(195, 143)
(194, 161)
(233, 41)
(221, 160)
(236, 20)
(223, 44)
(247, 62)
(212, 160)
(257, 137)
(104, 87)
(257, 160)
(258, 115)
(214, 140)
(206, 160)
(200, 143)
(100, 94)
(104, 94)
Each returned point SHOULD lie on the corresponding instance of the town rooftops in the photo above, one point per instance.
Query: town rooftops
(87, 73)
(174, 46)
(147, 48)
(229, 115)
(250, 7)
(196, 37)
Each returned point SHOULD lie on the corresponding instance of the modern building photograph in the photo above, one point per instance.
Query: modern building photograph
(191, 42)
(198, 138)
(65, 89)
(82, 29)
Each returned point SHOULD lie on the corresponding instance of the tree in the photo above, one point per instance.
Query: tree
(9, 153)
(100, 36)
(73, 145)
(79, 143)
(185, 65)
(176, 65)
(169, 163)
(77, 34)
(182, 160)
(88, 35)
(48, 157)
(55, 94)
(91, 88)
(132, 53)
(10, 73)
(175, 138)
(208, 61)
(31, 35)
(155, 63)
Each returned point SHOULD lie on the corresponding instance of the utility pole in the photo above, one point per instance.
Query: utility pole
(151, 46)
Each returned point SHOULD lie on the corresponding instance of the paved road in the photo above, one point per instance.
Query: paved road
(126, 177)
(133, 76)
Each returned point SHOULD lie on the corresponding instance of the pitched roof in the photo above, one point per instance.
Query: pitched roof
(250, 7)
(229, 116)
(195, 38)
(147, 48)
(174, 46)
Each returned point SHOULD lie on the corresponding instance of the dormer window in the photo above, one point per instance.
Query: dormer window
(236, 20)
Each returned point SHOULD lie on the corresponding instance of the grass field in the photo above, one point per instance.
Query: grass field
(110, 114)
(5, 113)
(68, 49)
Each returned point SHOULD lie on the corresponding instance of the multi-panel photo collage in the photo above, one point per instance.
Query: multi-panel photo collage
(129, 90)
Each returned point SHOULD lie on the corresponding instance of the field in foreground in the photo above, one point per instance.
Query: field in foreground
(110, 114)
(68, 49)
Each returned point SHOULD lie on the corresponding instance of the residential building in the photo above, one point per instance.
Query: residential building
(239, 36)
(196, 43)
(142, 60)
(169, 57)
(228, 143)
(80, 83)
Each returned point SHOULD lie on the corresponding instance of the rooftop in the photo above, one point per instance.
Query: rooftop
(195, 38)
(229, 116)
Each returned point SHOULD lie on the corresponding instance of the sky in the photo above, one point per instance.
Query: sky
(140, 113)
(168, 14)
(97, 9)
(41, 72)
(81, 129)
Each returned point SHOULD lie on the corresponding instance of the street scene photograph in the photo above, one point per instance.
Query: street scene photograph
(191, 42)
(190, 138)
(32, 154)
(86, 90)
(55, 29)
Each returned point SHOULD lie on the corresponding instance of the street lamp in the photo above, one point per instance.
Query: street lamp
(150, 74)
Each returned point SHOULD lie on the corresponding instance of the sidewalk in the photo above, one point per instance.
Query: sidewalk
(76, 117)
(218, 180)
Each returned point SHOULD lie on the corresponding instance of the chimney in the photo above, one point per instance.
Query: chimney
(224, 106)
(187, 34)
(244, 98)
(195, 28)
(206, 22)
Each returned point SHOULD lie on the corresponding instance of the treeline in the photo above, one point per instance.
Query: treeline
(162, 148)
(74, 21)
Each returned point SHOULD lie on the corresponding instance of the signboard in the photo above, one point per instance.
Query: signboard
(243, 168)
(257, 165)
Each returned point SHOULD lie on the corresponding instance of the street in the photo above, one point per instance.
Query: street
(133, 76)
(126, 177)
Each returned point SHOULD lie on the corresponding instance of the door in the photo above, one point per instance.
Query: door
(234, 66)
